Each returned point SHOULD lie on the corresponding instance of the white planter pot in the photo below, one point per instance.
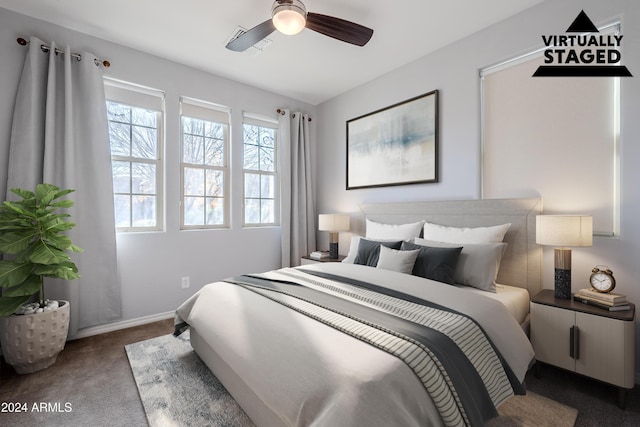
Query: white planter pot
(32, 342)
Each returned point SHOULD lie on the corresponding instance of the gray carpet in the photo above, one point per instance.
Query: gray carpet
(177, 389)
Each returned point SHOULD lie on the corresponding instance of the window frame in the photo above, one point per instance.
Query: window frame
(213, 113)
(135, 96)
(264, 122)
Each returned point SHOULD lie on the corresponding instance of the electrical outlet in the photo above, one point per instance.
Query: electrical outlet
(185, 282)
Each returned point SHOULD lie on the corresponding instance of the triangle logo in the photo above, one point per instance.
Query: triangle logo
(586, 54)
(582, 24)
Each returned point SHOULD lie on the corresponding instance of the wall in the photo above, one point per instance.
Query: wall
(454, 71)
(152, 264)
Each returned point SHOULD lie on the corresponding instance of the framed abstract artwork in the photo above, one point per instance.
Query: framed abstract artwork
(396, 145)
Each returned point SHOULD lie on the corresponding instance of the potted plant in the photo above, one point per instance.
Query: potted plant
(33, 330)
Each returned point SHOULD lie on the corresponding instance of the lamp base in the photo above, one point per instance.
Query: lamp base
(333, 250)
(333, 245)
(562, 283)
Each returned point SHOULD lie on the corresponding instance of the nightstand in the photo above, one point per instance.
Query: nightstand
(308, 260)
(584, 339)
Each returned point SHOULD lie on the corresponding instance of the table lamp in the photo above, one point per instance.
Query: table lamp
(333, 223)
(563, 231)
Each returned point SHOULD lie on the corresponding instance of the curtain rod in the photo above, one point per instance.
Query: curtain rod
(45, 48)
(282, 112)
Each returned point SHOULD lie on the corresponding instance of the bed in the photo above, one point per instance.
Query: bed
(289, 350)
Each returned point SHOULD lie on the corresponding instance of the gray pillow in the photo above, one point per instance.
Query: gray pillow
(394, 260)
(478, 264)
(369, 251)
(435, 263)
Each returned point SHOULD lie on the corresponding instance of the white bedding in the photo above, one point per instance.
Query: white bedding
(286, 369)
(516, 300)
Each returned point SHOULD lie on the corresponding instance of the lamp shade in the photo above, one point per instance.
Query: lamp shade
(333, 222)
(564, 230)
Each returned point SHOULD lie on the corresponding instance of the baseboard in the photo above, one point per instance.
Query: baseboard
(110, 327)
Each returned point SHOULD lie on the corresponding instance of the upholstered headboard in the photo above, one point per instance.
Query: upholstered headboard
(522, 262)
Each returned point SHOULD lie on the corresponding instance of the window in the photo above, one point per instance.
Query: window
(260, 171)
(135, 133)
(555, 137)
(205, 147)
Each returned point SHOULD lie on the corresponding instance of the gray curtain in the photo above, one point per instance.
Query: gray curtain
(297, 201)
(60, 136)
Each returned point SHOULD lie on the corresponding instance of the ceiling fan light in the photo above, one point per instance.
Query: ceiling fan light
(289, 17)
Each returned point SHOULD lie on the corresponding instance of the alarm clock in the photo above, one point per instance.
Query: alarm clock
(602, 280)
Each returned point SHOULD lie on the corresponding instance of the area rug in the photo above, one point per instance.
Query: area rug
(534, 410)
(177, 389)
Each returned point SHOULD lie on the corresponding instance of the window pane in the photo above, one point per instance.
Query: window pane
(118, 112)
(252, 211)
(250, 134)
(267, 137)
(251, 185)
(214, 130)
(192, 149)
(122, 210)
(143, 178)
(144, 142)
(267, 211)
(194, 182)
(120, 139)
(215, 183)
(268, 186)
(193, 210)
(143, 212)
(215, 211)
(193, 126)
(187, 124)
(121, 176)
(251, 157)
(214, 152)
(267, 162)
(143, 117)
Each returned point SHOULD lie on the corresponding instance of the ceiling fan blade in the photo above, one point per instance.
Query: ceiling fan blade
(251, 37)
(340, 29)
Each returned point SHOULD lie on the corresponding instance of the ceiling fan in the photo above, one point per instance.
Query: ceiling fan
(291, 16)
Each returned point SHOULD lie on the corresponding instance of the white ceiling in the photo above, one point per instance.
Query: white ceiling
(308, 66)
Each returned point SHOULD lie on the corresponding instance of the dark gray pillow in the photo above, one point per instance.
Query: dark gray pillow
(435, 263)
(478, 264)
(369, 251)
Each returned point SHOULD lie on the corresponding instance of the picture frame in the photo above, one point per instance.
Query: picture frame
(396, 145)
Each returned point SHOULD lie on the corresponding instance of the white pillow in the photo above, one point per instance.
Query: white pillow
(402, 261)
(377, 230)
(478, 264)
(442, 233)
(353, 250)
